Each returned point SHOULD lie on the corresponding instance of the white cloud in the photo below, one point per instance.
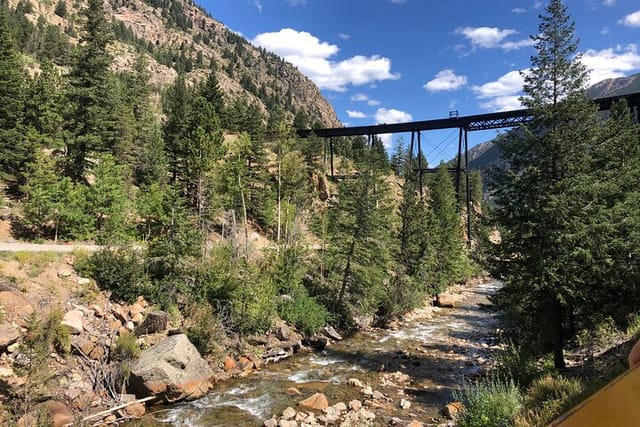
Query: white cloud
(508, 45)
(297, 2)
(484, 37)
(373, 102)
(612, 62)
(384, 116)
(289, 42)
(344, 36)
(609, 3)
(604, 31)
(257, 4)
(509, 84)
(502, 94)
(538, 4)
(359, 97)
(631, 20)
(398, 1)
(518, 10)
(312, 57)
(445, 80)
(356, 114)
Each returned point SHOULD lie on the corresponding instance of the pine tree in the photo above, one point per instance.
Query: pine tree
(43, 106)
(448, 237)
(92, 118)
(15, 150)
(539, 201)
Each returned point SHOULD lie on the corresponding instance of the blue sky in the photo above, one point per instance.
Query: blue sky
(386, 61)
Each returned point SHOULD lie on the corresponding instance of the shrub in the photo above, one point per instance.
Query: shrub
(126, 347)
(204, 328)
(489, 403)
(516, 363)
(548, 397)
(633, 325)
(120, 271)
(305, 312)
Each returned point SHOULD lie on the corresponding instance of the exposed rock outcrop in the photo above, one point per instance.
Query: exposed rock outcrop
(172, 370)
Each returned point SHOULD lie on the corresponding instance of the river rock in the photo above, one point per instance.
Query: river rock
(271, 422)
(367, 391)
(354, 382)
(332, 333)
(282, 332)
(340, 407)
(83, 281)
(355, 405)
(452, 410)
(229, 364)
(317, 401)
(156, 321)
(9, 334)
(172, 369)
(287, 423)
(292, 391)
(446, 299)
(404, 404)
(73, 320)
(288, 413)
(319, 342)
(378, 395)
(56, 413)
(415, 423)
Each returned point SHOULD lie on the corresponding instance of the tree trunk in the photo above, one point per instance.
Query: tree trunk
(347, 273)
(557, 334)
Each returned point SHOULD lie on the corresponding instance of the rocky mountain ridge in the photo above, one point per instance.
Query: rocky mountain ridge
(172, 33)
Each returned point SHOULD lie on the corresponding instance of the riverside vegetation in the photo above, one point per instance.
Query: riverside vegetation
(183, 184)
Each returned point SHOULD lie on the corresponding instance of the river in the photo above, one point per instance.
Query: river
(421, 361)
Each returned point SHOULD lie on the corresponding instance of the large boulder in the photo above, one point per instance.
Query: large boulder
(50, 413)
(156, 321)
(172, 370)
(446, 299)
(9, 334)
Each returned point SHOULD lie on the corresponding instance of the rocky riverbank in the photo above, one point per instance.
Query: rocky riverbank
(71, 355)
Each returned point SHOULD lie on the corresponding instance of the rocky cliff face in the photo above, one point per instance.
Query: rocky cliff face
(179, 35)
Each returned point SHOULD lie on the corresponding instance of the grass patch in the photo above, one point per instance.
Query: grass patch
(33, 262)
(490, 402)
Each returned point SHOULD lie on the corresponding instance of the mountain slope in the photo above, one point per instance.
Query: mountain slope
(178, 36)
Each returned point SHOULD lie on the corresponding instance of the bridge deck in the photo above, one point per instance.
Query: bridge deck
(477, 122)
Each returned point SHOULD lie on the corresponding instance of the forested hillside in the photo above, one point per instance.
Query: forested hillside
(231, 209)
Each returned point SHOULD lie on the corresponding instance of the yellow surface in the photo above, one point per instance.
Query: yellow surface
(617, 404)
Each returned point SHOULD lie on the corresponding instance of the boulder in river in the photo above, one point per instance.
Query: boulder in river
(446, 299)
(317, 401)
(172, 369)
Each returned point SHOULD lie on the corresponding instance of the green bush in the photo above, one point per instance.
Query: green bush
(126, 347)
(517, 363)
(548, 397)
(204, 329)
(489, 403)
(120, 271)
(633, 325)
(303, 311)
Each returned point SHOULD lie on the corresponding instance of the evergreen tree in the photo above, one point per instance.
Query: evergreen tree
(92, 118)
(43, 106)
(451, 260)
(539, 201)
(15, 150)
(358, 250)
